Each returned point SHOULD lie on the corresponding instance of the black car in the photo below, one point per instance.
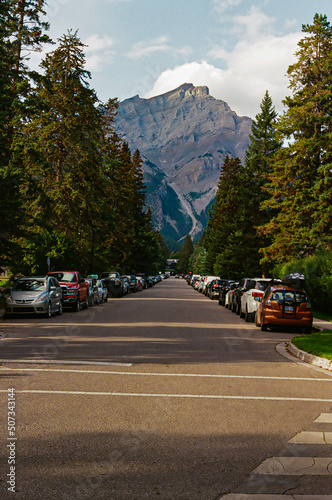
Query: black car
(229, 285)
(213, 288)
(113, 282)
(238, 292)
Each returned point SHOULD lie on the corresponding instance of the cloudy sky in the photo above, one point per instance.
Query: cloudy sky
(238, 48)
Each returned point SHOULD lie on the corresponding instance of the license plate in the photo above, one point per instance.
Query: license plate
(289, 308)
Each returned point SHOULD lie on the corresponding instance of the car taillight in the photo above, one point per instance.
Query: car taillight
(215, 286)
(257, 294)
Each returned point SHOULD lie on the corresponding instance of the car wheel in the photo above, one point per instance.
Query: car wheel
(60, 308)
(263, 325)
(247, 316)
(76, 306)
(48, 313)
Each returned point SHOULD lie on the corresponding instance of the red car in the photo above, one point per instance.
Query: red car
(75, 290)
(284, 306)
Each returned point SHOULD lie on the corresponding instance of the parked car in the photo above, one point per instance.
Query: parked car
(283, 305)
(255, 288)
(35, 295)
(224, 290)
(125, 285)
(139, 282)
(102, 291)
(132, 282)
(200, 284)
(207, 281)
(113, 282)
(75, 290)
(229, 295)
(214, 287)
(93, 291)
(237, 295)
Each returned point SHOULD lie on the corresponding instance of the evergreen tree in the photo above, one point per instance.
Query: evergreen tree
(230, 239)
(258, 161)
(301, 182)
(21, 30)
(185, 254)
(59, 149)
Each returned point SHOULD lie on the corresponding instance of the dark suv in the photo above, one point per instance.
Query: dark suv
(237, 295)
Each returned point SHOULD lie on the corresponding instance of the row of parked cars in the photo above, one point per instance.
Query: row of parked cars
(50, 294)
(266, 301)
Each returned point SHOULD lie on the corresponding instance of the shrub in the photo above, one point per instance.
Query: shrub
(318, 272)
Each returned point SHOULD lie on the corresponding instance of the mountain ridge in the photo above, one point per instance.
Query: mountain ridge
(183, 136)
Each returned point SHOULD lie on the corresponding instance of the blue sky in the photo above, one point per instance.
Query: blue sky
(238, 48)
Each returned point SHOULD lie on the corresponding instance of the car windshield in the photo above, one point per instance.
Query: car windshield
(33, 285)
(65, 277)
(292, 295)
(262, 285)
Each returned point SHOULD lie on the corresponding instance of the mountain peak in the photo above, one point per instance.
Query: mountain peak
(185, 91)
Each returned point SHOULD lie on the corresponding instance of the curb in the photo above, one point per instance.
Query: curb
(324, 363)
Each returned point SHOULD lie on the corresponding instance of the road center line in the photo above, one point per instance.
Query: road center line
(179, 396)
(154, 374)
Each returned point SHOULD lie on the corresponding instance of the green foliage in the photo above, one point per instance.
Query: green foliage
(185, 254)
(80, 191)
(230, 238)
(300, 186)
(318, 271)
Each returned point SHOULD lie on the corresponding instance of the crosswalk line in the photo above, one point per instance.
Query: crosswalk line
(325, 418)
(296, 466)
(312, 437)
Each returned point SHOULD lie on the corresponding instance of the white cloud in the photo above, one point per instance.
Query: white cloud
(146, 48)
(251, 68)
(222, 5)
(99, 51)
(253, 25)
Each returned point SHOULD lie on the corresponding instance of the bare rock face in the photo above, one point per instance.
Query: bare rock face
(183, 137)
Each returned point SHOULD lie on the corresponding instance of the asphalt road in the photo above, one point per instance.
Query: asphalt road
(158, 395)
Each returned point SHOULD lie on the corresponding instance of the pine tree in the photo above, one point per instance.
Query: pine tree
(21, 31)
(301, 182)
(59, 148)
(258, 161)
(185, 254)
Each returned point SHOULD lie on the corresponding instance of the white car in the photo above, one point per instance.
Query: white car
(255, 289)
(207, 280)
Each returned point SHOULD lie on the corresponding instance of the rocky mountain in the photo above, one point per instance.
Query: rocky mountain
(183, 137)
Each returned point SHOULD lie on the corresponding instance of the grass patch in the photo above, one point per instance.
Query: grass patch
(318, 344)
(323, 316)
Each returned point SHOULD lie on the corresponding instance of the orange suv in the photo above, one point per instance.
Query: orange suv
(283, 305)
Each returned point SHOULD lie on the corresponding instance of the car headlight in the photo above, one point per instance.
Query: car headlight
(9, 300)
(43, 297)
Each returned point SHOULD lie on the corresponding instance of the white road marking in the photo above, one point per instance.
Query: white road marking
(325, 418)
(179, 396)
(312, 437)
(296, 466)
(156, 374)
